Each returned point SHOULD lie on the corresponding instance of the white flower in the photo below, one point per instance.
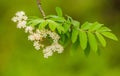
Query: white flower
(48, 51)
(14, 19)
(35, 36)
(43, 32)
(21, 24)
(36, 45)
(20, 18)
(58, 48)
(24, 17)
(54, 36)
(31, 38)
(29, 29)
(20, 13)
(46, 55)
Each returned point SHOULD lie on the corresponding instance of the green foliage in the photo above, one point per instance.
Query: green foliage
(88, 34)
(52, 25)
(110, 35)
(43, 24)
(83, 39)
(74, 35)
(101, 39)
(87, 50)
(86, 26)
(92, 41)
(59, 11)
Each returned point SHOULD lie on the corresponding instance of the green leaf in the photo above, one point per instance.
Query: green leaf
(74, 35)
(101, 39)
(43, 24)
(74, 48)
(95, 26)
(59, 19)
(83, 39)
(56, 18)
(35, 22)
(68, 34)
(52, 25)
(110, 35)
(103, 29)
(92, 41)
(59, 11)
(69, 18)
(87, 50)
(62, 39)
(76, 24)
(86, 26)
(51, 16)
(60, 29)
(66, 27)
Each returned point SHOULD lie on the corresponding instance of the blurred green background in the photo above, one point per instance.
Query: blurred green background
(19, 58)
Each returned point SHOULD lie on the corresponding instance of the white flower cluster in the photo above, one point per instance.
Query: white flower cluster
(54, 47)
(20, 18)
(37, 36)
(48, 51)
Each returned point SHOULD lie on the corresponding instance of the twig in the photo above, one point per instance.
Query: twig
(40, 8)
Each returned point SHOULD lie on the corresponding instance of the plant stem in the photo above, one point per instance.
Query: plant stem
(40, 8)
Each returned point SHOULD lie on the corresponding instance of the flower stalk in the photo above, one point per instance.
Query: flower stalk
(41, 9)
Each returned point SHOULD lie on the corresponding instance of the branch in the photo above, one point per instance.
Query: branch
(40, 8)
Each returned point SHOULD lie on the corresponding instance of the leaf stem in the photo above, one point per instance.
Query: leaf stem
(40, 8)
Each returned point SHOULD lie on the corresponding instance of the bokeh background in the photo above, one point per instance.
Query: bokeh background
(19, 58)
